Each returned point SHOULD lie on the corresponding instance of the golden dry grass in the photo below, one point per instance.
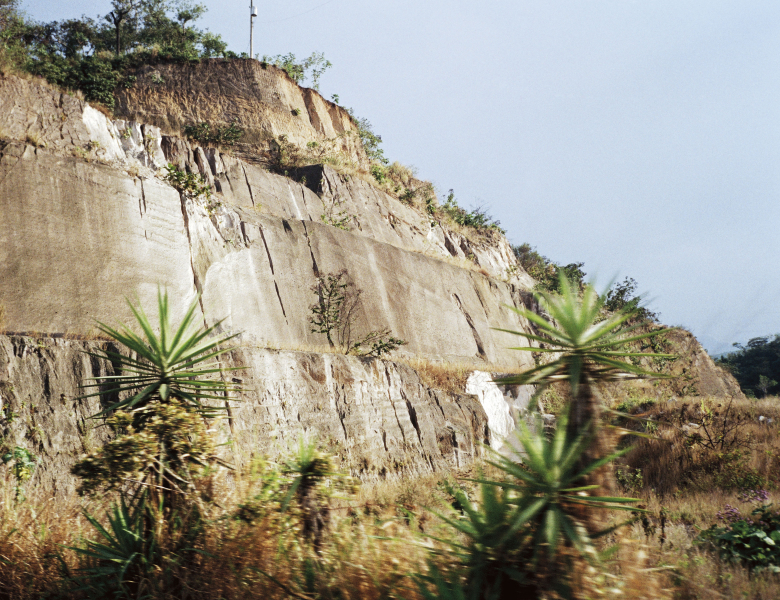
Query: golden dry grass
(369, 553)
(449, 376)
(707, 443)
(688, 482)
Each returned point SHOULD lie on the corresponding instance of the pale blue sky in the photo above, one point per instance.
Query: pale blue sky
(642, 138)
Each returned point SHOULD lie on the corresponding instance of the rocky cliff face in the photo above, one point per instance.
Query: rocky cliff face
(374, 415)
(89, 220)
(263, 100)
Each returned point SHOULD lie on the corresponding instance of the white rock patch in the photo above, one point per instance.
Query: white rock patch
(491, 398)
(104, 133)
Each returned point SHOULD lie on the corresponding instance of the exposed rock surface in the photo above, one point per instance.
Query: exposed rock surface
(504, 405)
(88, 220)
(81, 236)
(265, 102)
(693, 373)
(374, 415)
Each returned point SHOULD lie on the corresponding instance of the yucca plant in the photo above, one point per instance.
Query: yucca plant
(518, 539)
(309, 468)
(169, 385)
(121, 563)
(178, 362)
(591, 352)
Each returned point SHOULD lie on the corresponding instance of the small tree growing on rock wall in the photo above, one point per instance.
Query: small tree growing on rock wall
(336, 312)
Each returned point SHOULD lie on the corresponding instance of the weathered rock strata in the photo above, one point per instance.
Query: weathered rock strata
(374, 415)
(88, 220)
(264, 101)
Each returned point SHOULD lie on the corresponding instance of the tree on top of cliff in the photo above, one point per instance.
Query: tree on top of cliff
(94, 55)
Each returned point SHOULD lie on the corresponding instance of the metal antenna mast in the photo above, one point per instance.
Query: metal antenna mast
(252, 15)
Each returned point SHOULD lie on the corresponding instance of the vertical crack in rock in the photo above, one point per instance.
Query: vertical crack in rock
(142, 199)
(479, 296)
(475, 333)
(398, 420)
(242, 225)
(413, 419)
(278, 295)
(249, 187)
(267, 252)
(195, 277)
(311, 251)
(339, 402)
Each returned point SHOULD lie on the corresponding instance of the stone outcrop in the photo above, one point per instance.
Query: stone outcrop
(374, 415)
(89, 220)
(262, 100)
(82, 236)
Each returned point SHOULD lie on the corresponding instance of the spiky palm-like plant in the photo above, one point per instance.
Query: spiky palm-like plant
(590, 353)
(513, 541)
(168, 385)
(176, 363)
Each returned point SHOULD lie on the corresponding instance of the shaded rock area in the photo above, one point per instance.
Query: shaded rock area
(374, 415)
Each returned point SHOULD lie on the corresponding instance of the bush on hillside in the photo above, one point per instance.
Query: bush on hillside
(756, 365)
(94, 56)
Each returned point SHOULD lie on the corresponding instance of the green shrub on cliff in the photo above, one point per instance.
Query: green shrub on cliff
(336, 313)
(94, 55)
(206, 134)
(312, 67)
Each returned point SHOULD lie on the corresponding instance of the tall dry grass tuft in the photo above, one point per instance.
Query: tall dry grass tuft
(707, 443)
(34, 534)
(449, 377)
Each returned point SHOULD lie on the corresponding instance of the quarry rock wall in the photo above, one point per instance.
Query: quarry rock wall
(89, 222)
(375, 416)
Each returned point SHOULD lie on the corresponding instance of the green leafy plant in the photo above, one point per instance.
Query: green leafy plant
(166, 389)
(477, 218)
(313, 66)
(753, 541)
(369, 139)
(192, 185)
(622, 296)
(206, 134)
(336, 313)
(546, 272)
(755, 365)
(333, 214)
(22, 463)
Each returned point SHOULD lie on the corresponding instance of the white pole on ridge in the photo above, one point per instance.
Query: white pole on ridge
(252, 15)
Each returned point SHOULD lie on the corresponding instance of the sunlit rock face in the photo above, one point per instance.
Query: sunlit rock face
(89, 220)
